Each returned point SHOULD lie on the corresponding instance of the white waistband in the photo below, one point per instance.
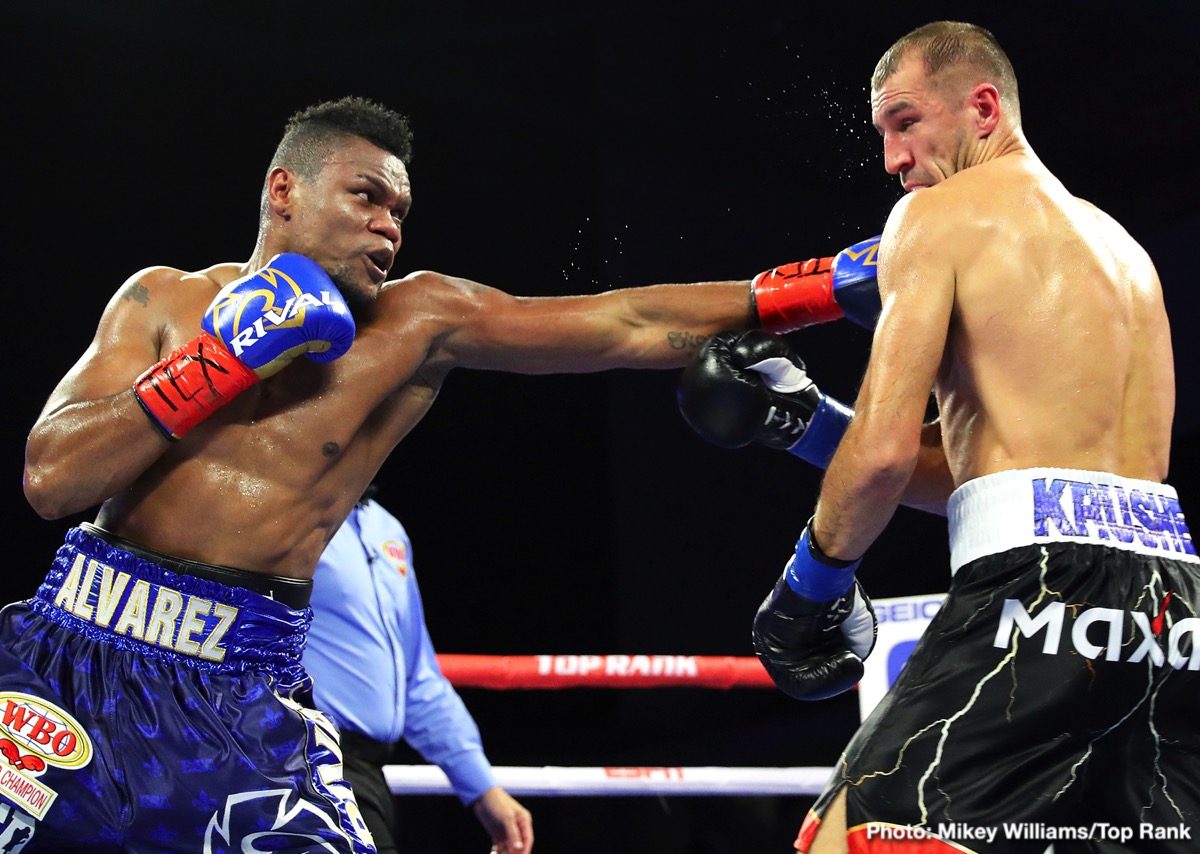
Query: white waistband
(997, 512)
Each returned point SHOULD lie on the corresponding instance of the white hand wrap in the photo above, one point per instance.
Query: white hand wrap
(859, 628)
(782, 375)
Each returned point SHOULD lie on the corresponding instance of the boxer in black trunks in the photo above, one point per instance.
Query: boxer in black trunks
(1055, 695)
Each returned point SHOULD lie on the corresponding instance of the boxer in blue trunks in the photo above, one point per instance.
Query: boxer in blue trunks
(1055, 696)
(210, 704)
(151, 695)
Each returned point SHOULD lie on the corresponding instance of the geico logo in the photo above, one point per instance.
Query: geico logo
(45, 729)
(270, 320)
(149, 612)
(1110, 622)
(903, 612)
(1103, 513)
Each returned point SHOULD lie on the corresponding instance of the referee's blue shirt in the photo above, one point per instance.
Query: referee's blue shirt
(373, 665)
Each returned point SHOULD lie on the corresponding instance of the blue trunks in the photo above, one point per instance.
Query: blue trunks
(148, 710)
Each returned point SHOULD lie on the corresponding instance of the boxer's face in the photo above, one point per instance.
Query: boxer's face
(923, 132)
(348, 217)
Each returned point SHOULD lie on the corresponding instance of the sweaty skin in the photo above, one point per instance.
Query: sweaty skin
(264, 483)
(1075, 372)
(1035, 319)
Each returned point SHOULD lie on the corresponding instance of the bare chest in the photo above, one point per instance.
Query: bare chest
(300, 426)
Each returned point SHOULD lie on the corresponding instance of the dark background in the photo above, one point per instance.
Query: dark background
(568, 148)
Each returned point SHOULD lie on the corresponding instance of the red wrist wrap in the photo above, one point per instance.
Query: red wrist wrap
(191, 384)
(796, 295)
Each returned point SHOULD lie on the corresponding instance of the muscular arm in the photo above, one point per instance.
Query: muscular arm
(92, 438)
(887, 453)
(658, 326)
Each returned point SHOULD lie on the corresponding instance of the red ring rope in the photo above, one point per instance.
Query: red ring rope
(547, 672)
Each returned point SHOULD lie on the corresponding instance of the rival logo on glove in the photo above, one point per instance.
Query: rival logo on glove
(290, 315)
(870, 250)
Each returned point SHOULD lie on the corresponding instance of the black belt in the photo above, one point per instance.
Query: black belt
(293, 592)
(355, 745)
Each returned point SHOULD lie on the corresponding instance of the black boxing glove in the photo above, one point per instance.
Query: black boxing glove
(816, 626)
(724, 394)
(751, 386)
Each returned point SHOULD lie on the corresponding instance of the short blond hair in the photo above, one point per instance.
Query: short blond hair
(945, 45)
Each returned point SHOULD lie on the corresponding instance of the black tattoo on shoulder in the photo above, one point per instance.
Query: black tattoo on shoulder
(686, 340)
(138, 293)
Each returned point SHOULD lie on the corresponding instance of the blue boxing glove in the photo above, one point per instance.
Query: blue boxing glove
(751, 386)
(270, 317)
(856, 282)
(251, 330)
(816, 627)
(820, 290)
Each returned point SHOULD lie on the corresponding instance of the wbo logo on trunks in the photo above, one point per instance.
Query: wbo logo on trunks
(34, 734)
(152, 613)
(1110, 514)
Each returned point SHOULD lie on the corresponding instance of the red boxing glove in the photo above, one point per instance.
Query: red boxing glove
(796, 295)
(253, 328)
(820, 290)
(190, 384)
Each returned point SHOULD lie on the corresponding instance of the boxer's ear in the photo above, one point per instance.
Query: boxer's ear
(985, 101)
